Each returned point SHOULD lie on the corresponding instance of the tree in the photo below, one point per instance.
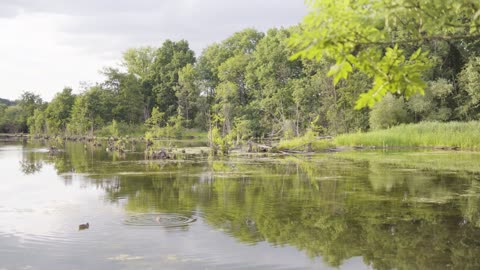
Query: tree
(228, 63)
(156, 120)
(269, 75)
(12, 120)
(79, 122)
(383, 39)
(241, 46)
(139, 62)
(433, 105)
(3, 107)
(29, 102)
(169, 60)
(187, 92)
(389, 112)
(59, 110)
(90, 110)
(469, 80)
(126, 90)
(6, 102)
(208, 62)
(37, 122)
(331, 107)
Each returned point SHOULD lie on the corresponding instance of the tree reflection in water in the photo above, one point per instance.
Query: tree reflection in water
(391, 214)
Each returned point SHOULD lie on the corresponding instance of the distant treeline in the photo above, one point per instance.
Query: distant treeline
(6, 102)
(246, 87)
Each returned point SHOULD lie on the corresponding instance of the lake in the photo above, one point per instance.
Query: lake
(350, 210)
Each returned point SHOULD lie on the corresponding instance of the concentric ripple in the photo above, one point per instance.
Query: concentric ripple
(156, 219)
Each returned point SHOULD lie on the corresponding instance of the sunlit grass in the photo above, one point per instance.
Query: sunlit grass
(302, 143)
(427, 134)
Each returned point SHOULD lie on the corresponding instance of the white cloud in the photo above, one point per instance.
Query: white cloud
(48, 44)
(34, 59)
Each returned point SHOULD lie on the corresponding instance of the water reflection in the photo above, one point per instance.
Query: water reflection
(337, 208)
(30, 167)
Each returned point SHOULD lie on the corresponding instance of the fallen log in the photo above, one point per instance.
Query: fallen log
(256, 147)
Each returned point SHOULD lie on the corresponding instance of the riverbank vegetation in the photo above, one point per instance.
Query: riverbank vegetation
(249, 88)
(449, 135)
(426, 134)
(341, 207)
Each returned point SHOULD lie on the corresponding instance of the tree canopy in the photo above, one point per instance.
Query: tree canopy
(417, 60)
(384, 39)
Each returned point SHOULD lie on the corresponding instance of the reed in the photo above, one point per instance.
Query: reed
(465, 135)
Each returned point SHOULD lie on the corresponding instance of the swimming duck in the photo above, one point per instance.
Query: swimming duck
(83, 226)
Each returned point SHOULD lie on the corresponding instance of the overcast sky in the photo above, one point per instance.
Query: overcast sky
(48, 44)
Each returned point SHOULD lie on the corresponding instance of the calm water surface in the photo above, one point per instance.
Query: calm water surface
(363, 210)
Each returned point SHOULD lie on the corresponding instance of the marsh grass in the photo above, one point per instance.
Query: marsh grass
(465, 135)
(302, 143)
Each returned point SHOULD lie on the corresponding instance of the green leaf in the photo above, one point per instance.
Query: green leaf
(340, 71)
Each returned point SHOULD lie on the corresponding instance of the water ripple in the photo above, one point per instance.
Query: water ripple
(157, 219)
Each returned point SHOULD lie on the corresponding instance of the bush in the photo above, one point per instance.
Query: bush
(388, 113)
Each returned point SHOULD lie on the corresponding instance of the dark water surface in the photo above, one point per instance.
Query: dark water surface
(361, 210)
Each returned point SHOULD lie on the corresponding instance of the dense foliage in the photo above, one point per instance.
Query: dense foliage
(387, 40)
(345, 56)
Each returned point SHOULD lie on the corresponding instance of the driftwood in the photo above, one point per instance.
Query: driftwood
(289, 152)
(53, 150)
(162, 154)
(256, 147)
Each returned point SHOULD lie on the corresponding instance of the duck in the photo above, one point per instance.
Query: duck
(83, 226)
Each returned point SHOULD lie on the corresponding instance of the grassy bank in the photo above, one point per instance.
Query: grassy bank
(308, 142)
(465, 135)
(427, 134)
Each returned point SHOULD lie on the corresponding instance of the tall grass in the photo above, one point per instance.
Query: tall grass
(425, 134)
(304, 142)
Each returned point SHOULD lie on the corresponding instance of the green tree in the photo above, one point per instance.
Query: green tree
(79, 123)
(12, 120)
(126, 90)
(139, 62)
(225, 63)
(168, 61)
(208, 62)
(29, 102)
(59, 110)
(331, 107)
(91, 110)
(232, 93)
(3, 107)
(37, 123)
(383, 39)
(187, 93)
(156, 120)
(388, 112)
(469, 80)
(433, 105)
(269, 75)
